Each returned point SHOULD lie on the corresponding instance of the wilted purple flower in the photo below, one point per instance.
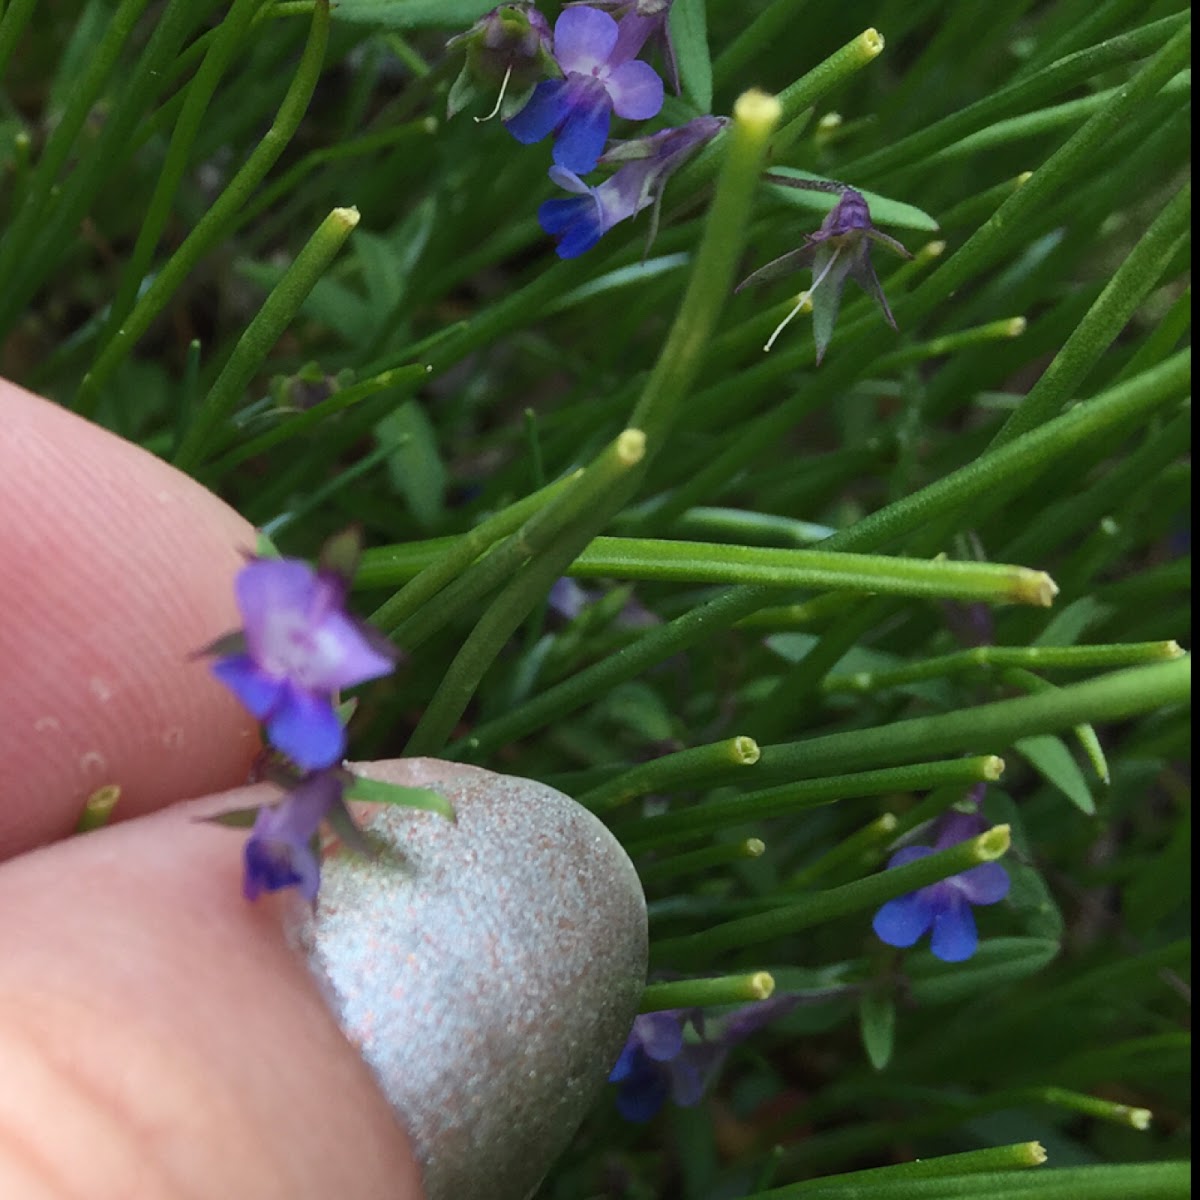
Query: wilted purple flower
(840, 249)
(642, 21)
(297, 649)
(280, 852)
(578, 223)
(944, 907)
(600, 78)
(509, 48)
(660, 1063)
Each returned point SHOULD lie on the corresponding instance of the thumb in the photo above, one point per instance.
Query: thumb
(160, 1038)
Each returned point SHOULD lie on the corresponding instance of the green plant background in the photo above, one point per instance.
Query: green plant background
(178, 260)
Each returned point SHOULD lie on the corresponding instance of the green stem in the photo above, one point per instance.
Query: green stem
(703, 993)
(219, 218)
(701, 860)
(703, 562)
(837, 902)
(545, 526)
(988, 726)
(13, 20)
(700, 766)
(755, 116)
(302, 422)
(971, 1162)
(80, 99)
(1023, 456)
(261, 335)
(444, 566)
(790, 798)
(862, 849)
(1105, 320)
(223, 47)
(1034, 658)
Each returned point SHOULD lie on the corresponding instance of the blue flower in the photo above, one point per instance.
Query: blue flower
(657, 1065)
(660, 1063)
(646, 164)
(297, 649)
(944, 907)
(280, 852)
(600, 78)
(839, 250)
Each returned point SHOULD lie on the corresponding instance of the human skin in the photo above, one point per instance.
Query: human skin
(158, 1037)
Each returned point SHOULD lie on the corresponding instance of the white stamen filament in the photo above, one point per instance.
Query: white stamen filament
(800, 303)
(499, 99)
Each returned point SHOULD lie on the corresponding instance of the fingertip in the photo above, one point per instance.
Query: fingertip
(114, 568)
(173, 1032)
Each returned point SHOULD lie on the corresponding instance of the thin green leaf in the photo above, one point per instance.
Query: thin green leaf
(377, 791)
(884, 211)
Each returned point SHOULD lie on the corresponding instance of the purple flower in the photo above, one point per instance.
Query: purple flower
(840, 249)
(280, 852)
(944, 907)
(578, 223)
(642, 21)
(600, 78)
(297, 649)
(659, 1063)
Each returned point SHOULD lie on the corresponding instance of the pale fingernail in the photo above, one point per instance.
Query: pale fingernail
(489, 974)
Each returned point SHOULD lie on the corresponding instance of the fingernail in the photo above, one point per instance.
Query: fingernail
(488, 970)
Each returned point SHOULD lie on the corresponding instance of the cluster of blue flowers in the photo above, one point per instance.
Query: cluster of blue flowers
(297, 649)
(589, 71)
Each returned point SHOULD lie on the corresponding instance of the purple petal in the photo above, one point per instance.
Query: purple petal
(627, 1063)
(692, 1071)
(753, 1017)
(987, 883)
(955, 827)
(661, 1035)
(909, 854)
(583, 39)
(581, 139)
(636, 91)
(271, 866)
(543, 113)
(257, 690)
(954, 935)
(827, 295)
(574, 223)
(267, 587)
(343, 656)
(306, 728)
(902, 921)
(640, 1098)
(568, 181)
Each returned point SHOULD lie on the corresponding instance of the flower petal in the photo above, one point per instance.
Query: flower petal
(909, 854)
(955, 937)
(955, 827)
(568, 181)
(581, 139)
(271, 866)
(987, 883)
(583, 39)
(902, 921)
(545, 111)
(257, 690)
(306, 728)
(661, 1035)
(636, 90)
(344, 657)
(267, 587)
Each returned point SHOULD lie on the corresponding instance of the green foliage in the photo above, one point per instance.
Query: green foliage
(245, 236)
